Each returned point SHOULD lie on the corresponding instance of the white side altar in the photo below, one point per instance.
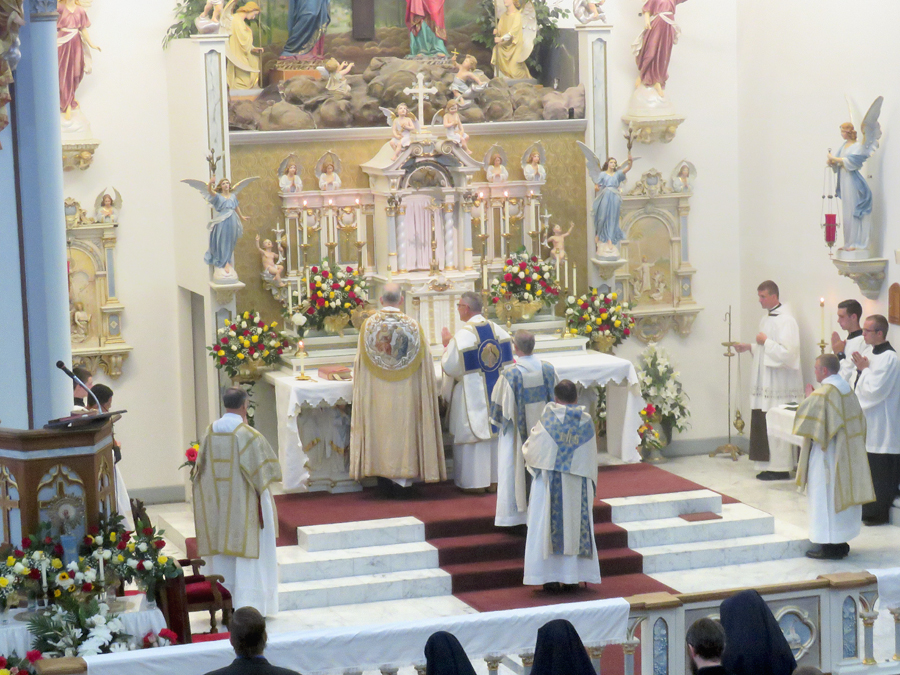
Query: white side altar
(313, 431)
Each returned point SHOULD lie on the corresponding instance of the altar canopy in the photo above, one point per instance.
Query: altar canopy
(588, 370)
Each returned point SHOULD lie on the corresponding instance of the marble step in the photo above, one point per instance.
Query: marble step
(362, 533)
(364, 588)
(670, 505)
(738, 520)
(786, 542)
(297, 564)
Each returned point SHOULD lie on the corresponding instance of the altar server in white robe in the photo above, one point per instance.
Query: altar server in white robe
(561, 455)
(849, 315)
(833, 466)
(472, 361)
(878, 390)
(775, 379)
(231, 483)
(517, 402)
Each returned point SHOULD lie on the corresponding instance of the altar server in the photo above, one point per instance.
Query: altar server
(878, 389)
(234, 513)
(561, 454)
(775, 379)
(849, 315)
(472, 361)
(395, 428)
(833, 468)
(104, 397)
(517, 402)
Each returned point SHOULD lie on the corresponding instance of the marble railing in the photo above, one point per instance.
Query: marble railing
(829, 623)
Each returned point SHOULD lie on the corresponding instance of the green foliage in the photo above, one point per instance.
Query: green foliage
(547, 35)
(185, 13)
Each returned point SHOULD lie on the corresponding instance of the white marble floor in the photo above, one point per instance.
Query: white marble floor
(875, 548)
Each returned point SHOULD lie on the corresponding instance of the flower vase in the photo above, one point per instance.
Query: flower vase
(602, 343)
(149, 589)
(4, 614)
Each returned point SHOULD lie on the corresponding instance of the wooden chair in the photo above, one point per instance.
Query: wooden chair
(205, 593)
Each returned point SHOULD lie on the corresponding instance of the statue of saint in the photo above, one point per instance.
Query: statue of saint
(514, 39)
(307, 22)
(242, 56)
(425, 22)
(653, 47)
(328, 172)
(74, 50)
(607, 178)
(80, 323)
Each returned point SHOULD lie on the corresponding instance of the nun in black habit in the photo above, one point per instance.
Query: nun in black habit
(559, 651)
(445, 656)
(754, 643)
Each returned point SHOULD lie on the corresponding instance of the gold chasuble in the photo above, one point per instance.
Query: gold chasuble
(395, 429)
(232, 471)
(827, 415)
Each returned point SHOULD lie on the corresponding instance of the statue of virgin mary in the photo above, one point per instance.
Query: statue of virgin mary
(307, 22)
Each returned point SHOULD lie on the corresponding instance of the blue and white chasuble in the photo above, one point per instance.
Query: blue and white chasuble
(518, 399)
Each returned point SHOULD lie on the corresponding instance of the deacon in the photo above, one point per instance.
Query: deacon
(878, 389)
(561, 455)
(472, 361)
(234, 513)
(833, 465)
(849, 314)
(775, 379)
(517, 402)
(395, 430)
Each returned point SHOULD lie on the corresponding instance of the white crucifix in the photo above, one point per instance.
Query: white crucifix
(421, 92)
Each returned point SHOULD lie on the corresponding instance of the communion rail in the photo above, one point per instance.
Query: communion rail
(829, 622)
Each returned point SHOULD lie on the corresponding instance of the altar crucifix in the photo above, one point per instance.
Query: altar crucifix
(421, 92)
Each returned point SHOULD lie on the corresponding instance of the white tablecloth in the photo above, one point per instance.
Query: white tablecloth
(14, 636)
(367, 648)
(587, 369)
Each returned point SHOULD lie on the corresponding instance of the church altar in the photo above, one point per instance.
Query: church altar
(313, 432)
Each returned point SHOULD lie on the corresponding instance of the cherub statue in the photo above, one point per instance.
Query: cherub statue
(533, 164)
(586, 11)
(607, 178)
(225, 227)
(454, 127)
(80, 323)
(683, 177)
(242, 56)
(270, 260)
(403, 124)
(495, 165)
(557, 242)
(852, 188)
(513, 38)
(467, 83)
(106, 208)
(289, 180)
(328, 171)
(337, 80)
(207, 23)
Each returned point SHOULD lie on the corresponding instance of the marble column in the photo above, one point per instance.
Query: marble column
(39, 159)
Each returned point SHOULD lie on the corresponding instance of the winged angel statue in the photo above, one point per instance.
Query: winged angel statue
(513, 38)
(225, 227)
(607, 178)
(107, 207)
(852, 188)
(403, 125)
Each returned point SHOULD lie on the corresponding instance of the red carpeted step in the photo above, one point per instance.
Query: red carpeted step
(485, 574)
(456, 527)
(619, 561)
(478, 548)
(210, 637)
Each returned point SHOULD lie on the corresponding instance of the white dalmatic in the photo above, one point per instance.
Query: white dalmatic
(826, 526)
(252, 582)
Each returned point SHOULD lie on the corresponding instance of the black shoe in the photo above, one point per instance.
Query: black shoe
(827, 552)
(844, 549)
(518, 530)
(774, 475)
(553, 587)
(875, 522)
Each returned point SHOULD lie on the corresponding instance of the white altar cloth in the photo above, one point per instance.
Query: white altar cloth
(14, 636)
(333, 650)
(587, 369)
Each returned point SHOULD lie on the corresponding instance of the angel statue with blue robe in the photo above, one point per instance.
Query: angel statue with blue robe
(225, 227)
(607, 177)
(852, 188)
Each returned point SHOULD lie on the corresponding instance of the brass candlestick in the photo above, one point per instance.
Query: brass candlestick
(360, 246)
(729, 448)
(332, 258)
(821, 344)
(301, 353)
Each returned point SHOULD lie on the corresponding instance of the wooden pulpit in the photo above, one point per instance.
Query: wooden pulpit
(62, 476)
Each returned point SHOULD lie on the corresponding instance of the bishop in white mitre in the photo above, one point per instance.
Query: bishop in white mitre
(878, 390)
(395, 430)
(517, 402)
(849, 316)
(234, 514)
(775, 379)
(833, 466)
(561, 454)
(472, 361)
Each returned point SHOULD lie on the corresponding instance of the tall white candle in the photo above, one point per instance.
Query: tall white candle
(822, 307)
(484, 277)
(505, 225)
(303, 223)
(359, 225)
(44, 573)
(574, 279)
(566, 271)
(483, 225)
(557, 269)
(102, 575)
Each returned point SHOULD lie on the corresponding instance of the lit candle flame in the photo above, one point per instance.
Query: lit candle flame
(304, 202)
(821, 302)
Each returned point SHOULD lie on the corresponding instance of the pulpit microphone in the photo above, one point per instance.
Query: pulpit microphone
(74, 377)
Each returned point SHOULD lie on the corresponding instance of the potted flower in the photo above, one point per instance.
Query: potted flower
(334, 293)
(601, 317)
(650, 442)
(246, 344)
(524, 287)
(149, 565)
(661, 387)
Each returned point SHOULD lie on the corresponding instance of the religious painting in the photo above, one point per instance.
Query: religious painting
(649, 262)
(392, 341)
(84, 307)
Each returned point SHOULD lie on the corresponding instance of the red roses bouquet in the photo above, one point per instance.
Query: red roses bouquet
(333, 292)
(247, 340)
(525, 278)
